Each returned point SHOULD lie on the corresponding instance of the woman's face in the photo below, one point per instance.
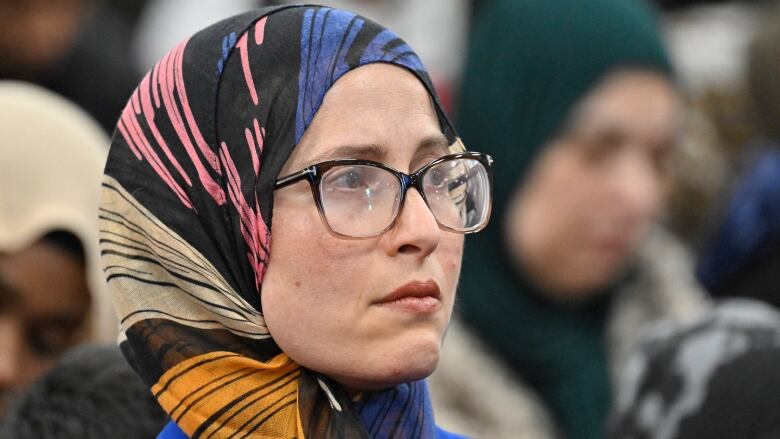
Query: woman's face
(577, 220)
(44, 302)
(327, 300)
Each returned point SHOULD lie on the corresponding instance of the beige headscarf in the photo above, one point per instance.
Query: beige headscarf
(51, 161)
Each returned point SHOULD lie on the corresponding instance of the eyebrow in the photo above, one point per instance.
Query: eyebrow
(433, 141)
(377, 152)
(368, 151)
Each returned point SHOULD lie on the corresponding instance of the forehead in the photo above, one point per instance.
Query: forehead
(378, 104)
(633, 96)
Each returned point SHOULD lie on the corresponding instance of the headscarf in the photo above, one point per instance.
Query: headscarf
(529, 63)
(742, 256)
(714, 377)
(186, 218)
(51, 159)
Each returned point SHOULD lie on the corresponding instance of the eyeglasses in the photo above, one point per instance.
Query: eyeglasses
(362, 198)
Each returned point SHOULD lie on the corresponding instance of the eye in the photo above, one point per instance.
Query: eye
(352, 180)
(349, 178)
(596, 144)
(437, 176)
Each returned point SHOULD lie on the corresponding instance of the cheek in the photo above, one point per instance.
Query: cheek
(559, 206)
(556, 214)
(313, 279)
(301, 264)
(450, 256)
(299, 302)
(577, 196)
(453, 249)
(303, 253)
(317, 263)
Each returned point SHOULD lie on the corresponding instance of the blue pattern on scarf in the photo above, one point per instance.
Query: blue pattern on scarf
(327, 35)
(382, 413)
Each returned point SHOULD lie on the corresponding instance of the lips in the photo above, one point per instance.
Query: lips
(418, 297)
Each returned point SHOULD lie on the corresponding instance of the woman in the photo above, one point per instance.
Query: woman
(272, 273)
(52, 290)
(577, 100)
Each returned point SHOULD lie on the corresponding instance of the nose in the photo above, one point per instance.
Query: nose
(415, 231)
(638, 188)
(11, 345)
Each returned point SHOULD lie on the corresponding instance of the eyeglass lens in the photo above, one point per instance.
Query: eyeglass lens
(363, 200)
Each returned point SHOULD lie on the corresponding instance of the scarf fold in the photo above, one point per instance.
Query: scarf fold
(186, 217)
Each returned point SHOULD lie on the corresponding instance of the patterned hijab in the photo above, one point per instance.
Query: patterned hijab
(186, 219)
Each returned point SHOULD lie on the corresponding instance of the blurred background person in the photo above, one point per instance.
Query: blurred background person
(77, 48)
(713, 378)
(717, 377)
(577, 102)
(708, 41)
(742, 257)
(162, 24)
(92, 393)
(52, 290)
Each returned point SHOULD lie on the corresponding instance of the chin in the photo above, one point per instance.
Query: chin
(415, 359)
(402, 363)
(385, 379)
(419, 368)
(404, 373)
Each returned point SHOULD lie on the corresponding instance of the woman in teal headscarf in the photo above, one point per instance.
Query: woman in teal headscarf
(576, 100)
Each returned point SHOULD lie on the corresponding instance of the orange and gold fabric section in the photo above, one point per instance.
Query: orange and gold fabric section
(223, 394)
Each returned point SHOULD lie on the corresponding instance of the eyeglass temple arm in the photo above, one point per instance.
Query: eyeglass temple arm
(293, 178)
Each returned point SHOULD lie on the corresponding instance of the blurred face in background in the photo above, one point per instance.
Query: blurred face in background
(577, 219)
(44, 301)
(38, 32)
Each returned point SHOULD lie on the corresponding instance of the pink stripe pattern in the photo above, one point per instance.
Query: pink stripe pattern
(260, 31)
(163, 87)
(253, 227)
(244, 54)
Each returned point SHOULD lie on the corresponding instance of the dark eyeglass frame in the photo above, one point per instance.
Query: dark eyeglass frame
(314, 173)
